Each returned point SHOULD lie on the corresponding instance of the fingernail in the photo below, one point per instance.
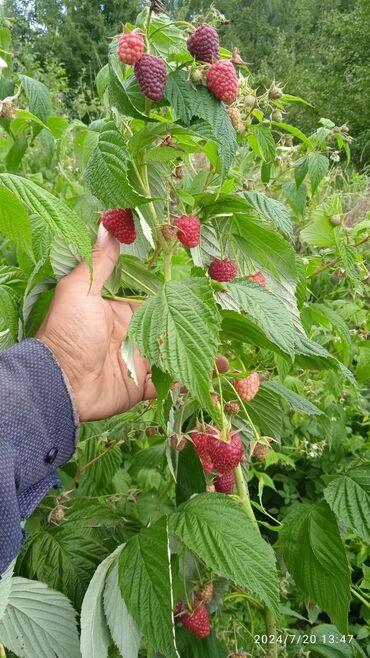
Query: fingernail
(102, 233)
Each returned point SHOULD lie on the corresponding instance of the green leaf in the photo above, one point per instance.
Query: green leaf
(348, 496)
(97, 478)
(16, 153)
(217, 529)
(266, 310)
(262, 142)
(38, 97)
(63, 258)
(5, 588)
(297, 402)
(292, 130)
(330, 643)
(271, 209)
(363, 362)
(318, 167)
(145, 581)
(316, 558)
(121, 95)
(107, 171)
(300, 170)
(266, 412)
(192, 647)
(123, 629)
(64, 560)
(58, 216)
(136, 275)
(178, 332)
(95, 639)
(8, 317)
(39, 623)
(190, 475)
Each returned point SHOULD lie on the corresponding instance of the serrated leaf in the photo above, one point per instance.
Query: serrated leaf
(318, 167)
(300, 170)
(63, 258)
(262, 142)
(97, 478)
(348, 496)
(145, 581)
(14, 222)
(64, 560)
(316, 558)
(271, 209)
(107, 171)
(124, 631)
(178, 332)
(121, 96)
(95, 637)
(190, 475)
(135, 275)
(8, 317)
(363, 362)
(266, 310)
(58, 216)
(266, 412)
(38, 97)
(329, 643)
(217, 529)
(297, 402)
(39, 623)
(5, 588)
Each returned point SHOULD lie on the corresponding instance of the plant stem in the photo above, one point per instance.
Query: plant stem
(167, 260)
(360, 597)
(332, 262)
(244, 495)
(271, 632)
(129, 300)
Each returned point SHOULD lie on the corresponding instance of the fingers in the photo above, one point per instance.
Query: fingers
(150, 392)
(105, 257)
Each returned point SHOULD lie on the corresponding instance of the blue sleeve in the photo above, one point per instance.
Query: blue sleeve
(38, 431)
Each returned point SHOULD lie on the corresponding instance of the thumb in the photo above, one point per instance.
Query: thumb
(105, 255)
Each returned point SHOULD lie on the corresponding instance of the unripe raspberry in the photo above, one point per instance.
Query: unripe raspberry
(215, 398)
(188, 230)
(56, 515)
(222, 81)
(197, 75)
(223, 270)
(249, 101)
(206, 593)
(221, 365)
(151, 75)
(197, 622)
(119, 222)
(8, 110)
(335, 220)
(260, 451)
(235, 117)
(225, 483)
(204, 44)
(232, 408)
(258, 278)
(275, 92)
(248, 387)
(277, 116)
(130, 48)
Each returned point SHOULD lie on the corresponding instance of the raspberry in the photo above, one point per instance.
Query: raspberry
(151, 75)
(215, 398)
(204, 44)
(222, 81)
(200, 442)
(231, 408)
(189, 230)
(221, 365)
(258, 278)
(247, 388)
(206, 593)
(260, 451)
(130, 48)
(235, 117)
(225, 455)
(207, 463)
(275, 92)
(120, 223)
(198, 621)
(223, 270)
(225, 483)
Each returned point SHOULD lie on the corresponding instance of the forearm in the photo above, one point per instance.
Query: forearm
(38, 431)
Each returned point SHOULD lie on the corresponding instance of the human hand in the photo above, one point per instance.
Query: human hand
(85, 333)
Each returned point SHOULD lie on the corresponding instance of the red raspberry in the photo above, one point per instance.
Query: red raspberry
(204, 44)
(223, 270)
(247, 388)
(222, 81)
(198, 621)
(258, 278)
(200, 442)
(130, 48)
(120, 223)
(225, 483)
(151, 75)
(225, 455)
(189, 230)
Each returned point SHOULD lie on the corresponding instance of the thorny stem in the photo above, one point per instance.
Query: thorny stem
(332, 262)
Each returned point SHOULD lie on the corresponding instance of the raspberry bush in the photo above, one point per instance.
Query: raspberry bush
(163, 537)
